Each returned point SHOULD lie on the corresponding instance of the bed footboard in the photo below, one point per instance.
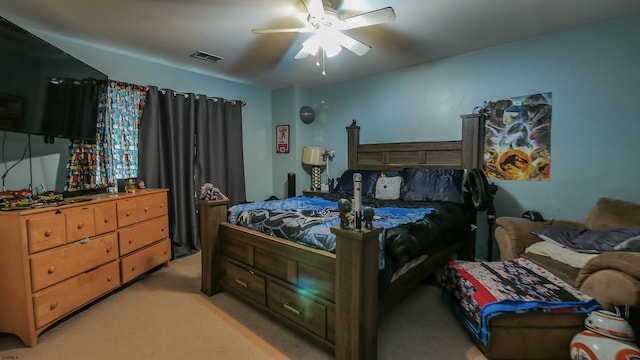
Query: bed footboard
(356, 293)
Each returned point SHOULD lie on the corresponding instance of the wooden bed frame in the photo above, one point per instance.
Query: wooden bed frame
(330, 298)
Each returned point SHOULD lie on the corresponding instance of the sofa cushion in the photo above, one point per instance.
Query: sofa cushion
(612, 213)
(590, 241)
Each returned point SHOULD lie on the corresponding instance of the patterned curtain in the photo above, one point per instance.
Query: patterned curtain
(82, 165)
(118, 131)
(115, 153)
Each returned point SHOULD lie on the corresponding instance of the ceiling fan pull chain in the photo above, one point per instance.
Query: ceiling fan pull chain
(324, 60)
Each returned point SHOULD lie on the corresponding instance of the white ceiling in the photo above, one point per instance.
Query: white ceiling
(168, 31)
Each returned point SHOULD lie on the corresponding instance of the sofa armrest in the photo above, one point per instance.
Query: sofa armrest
(612, 288)
(513, 234)
(612, 278)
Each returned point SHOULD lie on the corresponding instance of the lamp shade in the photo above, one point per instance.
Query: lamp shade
(313, 156)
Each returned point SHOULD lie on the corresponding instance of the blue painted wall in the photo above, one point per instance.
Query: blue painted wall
(592, 71)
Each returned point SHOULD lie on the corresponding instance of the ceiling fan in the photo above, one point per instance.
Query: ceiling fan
(327, 26)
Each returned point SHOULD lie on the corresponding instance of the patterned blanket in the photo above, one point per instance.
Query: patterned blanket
(308, 220)
(480, 291)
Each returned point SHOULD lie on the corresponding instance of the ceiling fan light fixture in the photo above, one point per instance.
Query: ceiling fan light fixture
(328, 40)
(331, 49)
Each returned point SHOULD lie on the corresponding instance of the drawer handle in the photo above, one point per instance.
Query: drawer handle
(161, 206)
(130, 241)
(108, 249)
(146, 209)
(53, 305)
(47, 233)
(292, 309)
(106, 219)
(244, 284)
(51, 270)
(80, 226)
(127, 214)
(109, 278)
(133, 268)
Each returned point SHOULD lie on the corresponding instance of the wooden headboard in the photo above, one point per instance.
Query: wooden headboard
(456, 154)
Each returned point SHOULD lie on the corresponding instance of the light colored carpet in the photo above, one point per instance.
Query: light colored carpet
(165, 316)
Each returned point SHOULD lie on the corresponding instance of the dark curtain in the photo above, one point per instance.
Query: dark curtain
(186, 140)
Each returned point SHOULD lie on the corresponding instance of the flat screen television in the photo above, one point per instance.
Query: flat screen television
(45, 91)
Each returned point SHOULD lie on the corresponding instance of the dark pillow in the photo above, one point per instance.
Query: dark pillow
(369, 178)
(591, 241)
(432, 185)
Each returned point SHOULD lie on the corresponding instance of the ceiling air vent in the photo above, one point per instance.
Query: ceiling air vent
(206, 56)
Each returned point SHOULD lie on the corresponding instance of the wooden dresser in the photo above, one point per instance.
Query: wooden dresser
(56, 259)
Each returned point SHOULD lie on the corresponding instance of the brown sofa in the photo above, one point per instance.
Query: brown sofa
(612, 278)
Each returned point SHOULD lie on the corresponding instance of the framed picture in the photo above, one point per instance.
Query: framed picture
(282, 139)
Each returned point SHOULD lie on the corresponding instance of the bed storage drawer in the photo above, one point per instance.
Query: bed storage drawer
(243, 281)
(297, 308)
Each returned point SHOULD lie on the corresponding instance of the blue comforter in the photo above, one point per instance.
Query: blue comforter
(308, 220)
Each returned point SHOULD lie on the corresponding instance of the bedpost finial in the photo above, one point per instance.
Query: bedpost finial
(353, 123)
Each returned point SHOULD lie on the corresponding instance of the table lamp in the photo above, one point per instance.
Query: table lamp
(313, 156)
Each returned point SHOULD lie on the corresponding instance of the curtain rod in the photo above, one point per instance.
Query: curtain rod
(186, 95)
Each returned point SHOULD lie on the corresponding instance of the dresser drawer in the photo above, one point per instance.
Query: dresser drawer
(50, 267)
(151, 206)
(127, 212)
(140, 235)
(54, 302)
(243, 281)
(45, 232)
(144, 260)
(79, 223)
(299, 309)
(105, 217)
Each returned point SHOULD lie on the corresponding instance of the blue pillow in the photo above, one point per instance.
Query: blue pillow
(369, 179)
(433, 185)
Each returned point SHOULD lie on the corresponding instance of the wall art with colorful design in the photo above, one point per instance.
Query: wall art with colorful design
(517, 141)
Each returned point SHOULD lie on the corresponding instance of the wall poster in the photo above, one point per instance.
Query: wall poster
(517, 143)
(282, 139)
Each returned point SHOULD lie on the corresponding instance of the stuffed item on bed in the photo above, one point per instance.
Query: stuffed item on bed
(388, 187)
(480, 291)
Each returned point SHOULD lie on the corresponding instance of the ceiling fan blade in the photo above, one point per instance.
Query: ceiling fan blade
(357, 47)
(370, 18)
(314, 7)
(277, 31)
